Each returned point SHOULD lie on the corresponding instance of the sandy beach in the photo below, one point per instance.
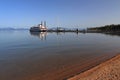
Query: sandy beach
(109, 70)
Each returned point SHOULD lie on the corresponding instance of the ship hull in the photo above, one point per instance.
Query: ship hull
(36, 29)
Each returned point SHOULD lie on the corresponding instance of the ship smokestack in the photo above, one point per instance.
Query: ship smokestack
(41, 23)
(44, 23)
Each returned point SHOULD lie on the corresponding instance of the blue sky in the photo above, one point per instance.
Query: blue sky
(64, 13)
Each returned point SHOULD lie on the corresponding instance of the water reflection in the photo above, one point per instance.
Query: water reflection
(41, 35)
(112, 34)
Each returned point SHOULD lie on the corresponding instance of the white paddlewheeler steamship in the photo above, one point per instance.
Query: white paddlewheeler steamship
(39, 28)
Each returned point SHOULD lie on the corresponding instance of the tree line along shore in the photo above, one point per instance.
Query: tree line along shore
(106, 29)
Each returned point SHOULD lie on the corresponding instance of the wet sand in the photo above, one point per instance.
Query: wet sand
(66, 71)
(109, 70)
(59, 71)
(52, 68)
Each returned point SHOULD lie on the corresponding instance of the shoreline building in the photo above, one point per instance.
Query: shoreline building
(39, 28)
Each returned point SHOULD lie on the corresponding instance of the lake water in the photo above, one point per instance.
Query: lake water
(52, 56)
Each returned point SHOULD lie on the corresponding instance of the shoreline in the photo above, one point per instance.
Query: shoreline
(108, 70)
(68, 72)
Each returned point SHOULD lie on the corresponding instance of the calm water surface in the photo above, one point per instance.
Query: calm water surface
(28, 56)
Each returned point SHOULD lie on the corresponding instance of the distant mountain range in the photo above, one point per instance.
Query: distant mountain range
(54, 28)
(9, 28)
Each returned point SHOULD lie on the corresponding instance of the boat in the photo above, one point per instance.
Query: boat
(39, 28)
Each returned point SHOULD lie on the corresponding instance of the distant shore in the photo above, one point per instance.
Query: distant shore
(109, 70)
